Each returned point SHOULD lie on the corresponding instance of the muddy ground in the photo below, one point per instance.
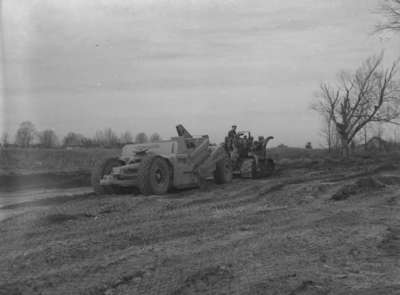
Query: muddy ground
(330, 229)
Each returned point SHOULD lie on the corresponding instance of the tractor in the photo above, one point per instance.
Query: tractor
(155, 168)
(248, 156)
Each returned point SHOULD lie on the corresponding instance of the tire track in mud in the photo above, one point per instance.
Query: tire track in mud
(240, 192)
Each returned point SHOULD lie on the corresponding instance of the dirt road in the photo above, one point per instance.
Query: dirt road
(330, 230)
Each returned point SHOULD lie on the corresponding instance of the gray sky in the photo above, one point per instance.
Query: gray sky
(82, 65)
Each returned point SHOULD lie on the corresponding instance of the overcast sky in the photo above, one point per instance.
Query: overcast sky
(82, 65)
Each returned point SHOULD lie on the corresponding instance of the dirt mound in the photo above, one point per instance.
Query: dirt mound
(361, 185)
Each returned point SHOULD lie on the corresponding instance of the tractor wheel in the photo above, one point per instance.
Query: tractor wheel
(154, 176)
(223, 172)
(103, 168)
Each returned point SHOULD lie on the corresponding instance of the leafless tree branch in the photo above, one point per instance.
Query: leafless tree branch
(391, 11)
(371, 94)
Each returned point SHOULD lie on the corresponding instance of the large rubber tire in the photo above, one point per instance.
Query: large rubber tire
(154, 176)
(101, 169)
(223, 172)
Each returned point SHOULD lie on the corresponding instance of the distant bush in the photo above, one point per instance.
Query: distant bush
(25, 134)
(155, 137)
(73, 139)
(106, 138)
(141, 138)
(125, 138)
(48, 138)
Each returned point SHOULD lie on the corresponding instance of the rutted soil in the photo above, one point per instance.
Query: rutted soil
(318, 230)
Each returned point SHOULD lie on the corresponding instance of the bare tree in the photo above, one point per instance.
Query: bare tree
(110, 138)
(369, 131)
(99, 137)
(390, 9)
(378, 129)
(396, 137)
(87, 142)
(155, 137)
(106, 138)
(48, 138)
(25, 134)
(73, 139)
(328, 130)
(141, 138)
(364, 136)
(368, 95)
(5, 139)
(126, 138)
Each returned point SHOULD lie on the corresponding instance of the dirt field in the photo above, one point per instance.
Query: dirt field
(328, 228)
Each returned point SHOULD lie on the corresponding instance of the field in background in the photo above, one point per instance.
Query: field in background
(48, 168)
(34, 167)
(34, 160)
(19, 161)
(295, 152)
(289, 157)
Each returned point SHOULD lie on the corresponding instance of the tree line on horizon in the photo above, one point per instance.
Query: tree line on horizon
(28, 136)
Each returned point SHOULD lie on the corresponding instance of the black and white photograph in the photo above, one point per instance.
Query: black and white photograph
(181, 147)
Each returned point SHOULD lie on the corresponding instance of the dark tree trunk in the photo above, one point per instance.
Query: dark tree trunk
(346, 148)
(365, 139)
